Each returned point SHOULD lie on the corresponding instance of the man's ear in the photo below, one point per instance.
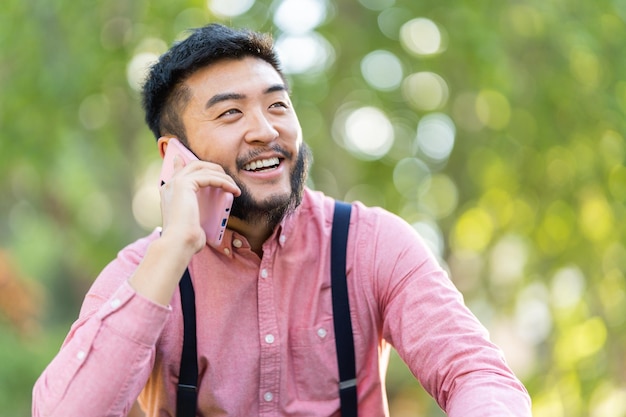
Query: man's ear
(162, 144)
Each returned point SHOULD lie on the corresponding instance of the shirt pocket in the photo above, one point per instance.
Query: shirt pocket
(314, 362)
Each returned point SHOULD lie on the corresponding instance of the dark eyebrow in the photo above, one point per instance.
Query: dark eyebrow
(276, 87)
(218, 98)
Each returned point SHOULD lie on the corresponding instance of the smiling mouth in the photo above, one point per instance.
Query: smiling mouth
(262, 164)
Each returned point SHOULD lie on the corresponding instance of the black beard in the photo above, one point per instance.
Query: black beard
(273, 210)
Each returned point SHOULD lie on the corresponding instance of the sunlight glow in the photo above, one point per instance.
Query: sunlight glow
(146, 54)
(597, 220)
(421, 36)
(368, 133)
(138, 67)
(382, 70)
(579, 342)
(608, 400)
(304, 53)
(508, 259)
(568, 287)
(146, 204)
(229, 8)
(533, 320)
(473, 231)
(298, 17)
(435, 136)
(425, 90)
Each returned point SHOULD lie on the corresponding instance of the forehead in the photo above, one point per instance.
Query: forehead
(243, 76)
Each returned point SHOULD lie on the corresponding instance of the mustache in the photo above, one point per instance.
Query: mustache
(243, 160)
(272, 210)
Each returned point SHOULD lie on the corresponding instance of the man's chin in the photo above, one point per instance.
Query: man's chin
(270, 210)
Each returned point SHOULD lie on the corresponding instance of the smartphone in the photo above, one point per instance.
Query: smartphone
(213, 203)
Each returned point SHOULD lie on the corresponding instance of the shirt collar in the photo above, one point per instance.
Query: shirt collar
(280, 234)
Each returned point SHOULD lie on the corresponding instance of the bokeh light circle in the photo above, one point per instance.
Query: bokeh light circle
(366, 132)
(421, 36)
(382, 70)
(298, 17)
(310, 52)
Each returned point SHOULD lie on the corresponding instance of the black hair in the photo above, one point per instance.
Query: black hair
(164, 94)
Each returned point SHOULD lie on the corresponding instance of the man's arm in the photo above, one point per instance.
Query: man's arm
(108, 355)
(441, 341)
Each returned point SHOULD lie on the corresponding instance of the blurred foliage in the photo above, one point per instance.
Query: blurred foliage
(526, 212)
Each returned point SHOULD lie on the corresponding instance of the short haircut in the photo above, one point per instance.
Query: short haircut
(164, 95)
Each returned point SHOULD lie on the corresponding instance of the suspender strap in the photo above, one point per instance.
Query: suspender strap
(187, 398)
(341, 311)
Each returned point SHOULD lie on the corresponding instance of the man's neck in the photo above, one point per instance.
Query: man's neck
(255, 233)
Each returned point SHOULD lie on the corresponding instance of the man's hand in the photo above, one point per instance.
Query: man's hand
(158, 275)
(179, 205)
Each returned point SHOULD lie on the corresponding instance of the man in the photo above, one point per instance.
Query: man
(265, 335)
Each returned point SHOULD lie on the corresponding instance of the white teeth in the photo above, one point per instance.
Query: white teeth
(263, 163)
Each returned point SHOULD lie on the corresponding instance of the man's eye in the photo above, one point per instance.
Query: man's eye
(230, 112)
(280, 104)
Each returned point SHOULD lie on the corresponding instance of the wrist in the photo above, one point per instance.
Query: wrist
(159, 272)
(174, 243)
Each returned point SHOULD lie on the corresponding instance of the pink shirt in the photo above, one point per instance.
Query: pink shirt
(265, 331)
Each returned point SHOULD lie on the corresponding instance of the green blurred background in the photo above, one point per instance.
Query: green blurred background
(496, 128)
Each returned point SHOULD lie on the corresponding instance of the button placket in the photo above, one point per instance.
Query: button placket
(269, 336)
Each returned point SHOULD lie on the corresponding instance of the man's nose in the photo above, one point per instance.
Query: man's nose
(260, 128)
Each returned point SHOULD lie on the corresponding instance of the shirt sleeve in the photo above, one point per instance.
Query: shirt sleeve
(442, 342)
(108, 354)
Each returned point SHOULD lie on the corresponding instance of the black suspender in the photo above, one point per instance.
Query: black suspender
(187, 398)
(341, 311)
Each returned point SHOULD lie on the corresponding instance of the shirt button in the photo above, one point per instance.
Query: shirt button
(237, 243)
(116, 303)
(322, 333)
(268, 396)
(81, 355)
(264, 273)
(227, 251)
(269, 338)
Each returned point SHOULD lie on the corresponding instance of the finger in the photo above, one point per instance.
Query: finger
(216, 179)
(178, 163)
(208, 174)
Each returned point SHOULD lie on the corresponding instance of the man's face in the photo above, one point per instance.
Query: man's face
(240, 116)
